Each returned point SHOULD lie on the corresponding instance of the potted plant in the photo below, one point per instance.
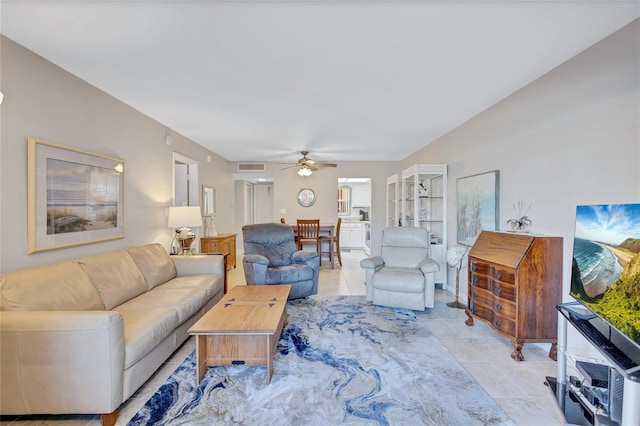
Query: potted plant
(522, 221)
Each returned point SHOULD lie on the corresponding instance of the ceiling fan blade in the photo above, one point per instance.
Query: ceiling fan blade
(308, 163)
(289, 167)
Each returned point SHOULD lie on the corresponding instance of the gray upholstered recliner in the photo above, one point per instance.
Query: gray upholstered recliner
(403, 276)
(271, 257)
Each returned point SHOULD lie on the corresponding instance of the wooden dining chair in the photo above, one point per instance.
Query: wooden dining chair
(309, 232)
(334, 244)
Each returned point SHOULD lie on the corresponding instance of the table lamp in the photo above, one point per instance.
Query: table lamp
(182, 218)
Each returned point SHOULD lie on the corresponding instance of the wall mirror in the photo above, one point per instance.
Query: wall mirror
(306, 197)
(208, 200)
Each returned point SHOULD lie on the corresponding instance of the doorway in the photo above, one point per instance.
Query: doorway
(354, 199)
(354, 208)
(258, 203)
(185, 180)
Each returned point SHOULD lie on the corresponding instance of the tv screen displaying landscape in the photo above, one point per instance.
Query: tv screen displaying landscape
(605, 275)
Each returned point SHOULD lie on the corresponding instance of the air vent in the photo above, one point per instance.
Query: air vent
(251, 167)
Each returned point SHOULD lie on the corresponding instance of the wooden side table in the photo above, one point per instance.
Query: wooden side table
(221, 243)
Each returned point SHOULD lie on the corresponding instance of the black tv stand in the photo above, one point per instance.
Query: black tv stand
(622, 354)
(576, 409)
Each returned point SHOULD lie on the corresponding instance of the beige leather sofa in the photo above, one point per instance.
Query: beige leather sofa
(403, 276)
(81, 336)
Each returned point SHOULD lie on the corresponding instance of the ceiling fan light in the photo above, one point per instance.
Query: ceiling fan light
(304, 171)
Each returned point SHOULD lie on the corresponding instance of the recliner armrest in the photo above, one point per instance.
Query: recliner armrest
(303, 256)
(373, 262)
(255, 258)
(429, 265)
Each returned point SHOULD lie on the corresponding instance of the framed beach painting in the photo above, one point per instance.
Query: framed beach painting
(74, 196)
(477, 204)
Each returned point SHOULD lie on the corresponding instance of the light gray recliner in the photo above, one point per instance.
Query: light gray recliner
(403, 276)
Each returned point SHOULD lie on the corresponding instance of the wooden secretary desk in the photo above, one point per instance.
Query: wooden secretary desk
(221, 243)
(515, 283)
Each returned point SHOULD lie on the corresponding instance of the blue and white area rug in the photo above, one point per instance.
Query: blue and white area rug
(340, 361)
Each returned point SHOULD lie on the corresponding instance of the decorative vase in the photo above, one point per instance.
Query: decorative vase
(210, 226)
(519, 228)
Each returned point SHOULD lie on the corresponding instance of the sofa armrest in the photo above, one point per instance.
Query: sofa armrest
(57, 362)
(199, 264)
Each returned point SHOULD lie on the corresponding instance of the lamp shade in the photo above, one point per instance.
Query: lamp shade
(184, 216)
(455, 255)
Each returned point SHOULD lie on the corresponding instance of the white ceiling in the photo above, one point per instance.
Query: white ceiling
(262, 80)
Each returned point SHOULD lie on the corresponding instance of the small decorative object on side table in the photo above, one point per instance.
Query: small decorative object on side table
(210, 225)
(522, 222)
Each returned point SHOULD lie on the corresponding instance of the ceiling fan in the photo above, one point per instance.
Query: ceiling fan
(306, 165)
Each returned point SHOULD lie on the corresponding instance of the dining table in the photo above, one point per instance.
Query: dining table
(325, 230)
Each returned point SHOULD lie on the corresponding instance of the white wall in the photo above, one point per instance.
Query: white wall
(45, 101)
(571, 137)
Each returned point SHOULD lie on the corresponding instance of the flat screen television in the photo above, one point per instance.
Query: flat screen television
(605, 276)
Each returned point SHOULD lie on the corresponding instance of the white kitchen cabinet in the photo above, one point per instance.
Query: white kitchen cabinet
(361, 195)
(352, 235)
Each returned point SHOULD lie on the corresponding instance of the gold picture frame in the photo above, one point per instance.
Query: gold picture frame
(75, 196)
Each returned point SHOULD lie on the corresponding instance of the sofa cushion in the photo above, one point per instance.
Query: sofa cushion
(184, 301)
(62, 286)
(116, 277)
(154, 262)
(144, 329)
(210, 283)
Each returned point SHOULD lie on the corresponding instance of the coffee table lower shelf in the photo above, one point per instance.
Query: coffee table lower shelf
(236, 349)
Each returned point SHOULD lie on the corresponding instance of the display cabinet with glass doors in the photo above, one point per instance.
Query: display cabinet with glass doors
(394, 196)
(424, 205)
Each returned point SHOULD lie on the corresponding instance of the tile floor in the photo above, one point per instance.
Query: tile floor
(518, 387)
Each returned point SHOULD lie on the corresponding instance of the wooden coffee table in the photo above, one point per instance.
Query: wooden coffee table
(243, 328)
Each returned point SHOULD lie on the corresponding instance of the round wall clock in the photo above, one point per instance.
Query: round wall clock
(306, 197)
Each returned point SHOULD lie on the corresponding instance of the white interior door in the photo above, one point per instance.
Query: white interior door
(249, 215)
(263, 206)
